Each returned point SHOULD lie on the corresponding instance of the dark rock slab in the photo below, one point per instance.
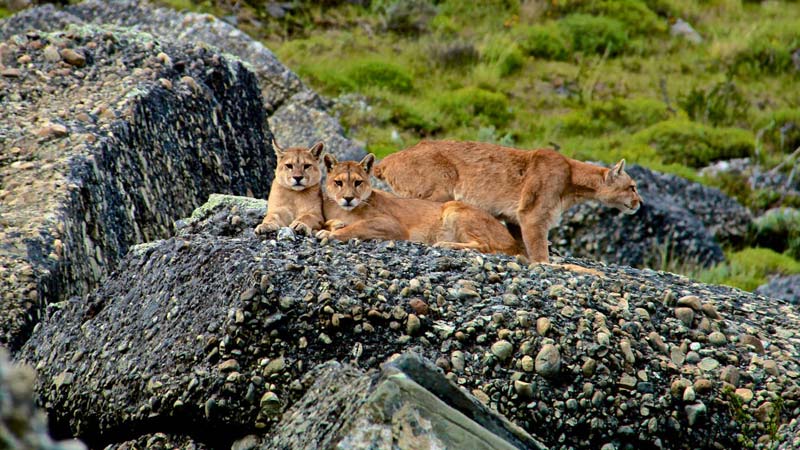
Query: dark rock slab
(782, 287)
(99, 156)
(212, 335)
(680, 222)
(408, 404)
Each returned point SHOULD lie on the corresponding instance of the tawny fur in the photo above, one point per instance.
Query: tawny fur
(353, 209)
(528, 188)
(295, 198)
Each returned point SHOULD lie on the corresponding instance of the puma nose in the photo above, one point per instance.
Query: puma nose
(297, 179)
(348, 199)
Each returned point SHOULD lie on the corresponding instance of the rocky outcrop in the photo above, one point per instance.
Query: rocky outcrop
(212, 335)
(297, 115)
(107, 135)
(22, 425)
(680, 222)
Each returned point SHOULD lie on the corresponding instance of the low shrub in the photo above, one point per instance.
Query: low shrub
(454, 55)
(636, 15)
(779, 229)
(695, 144)
(769, 50)
(750, 268)
(781, 129)
(605, 116)
(408, 17)
(544, 41)
(595, 34)
(414, 115)
(504, 54)
(465, 105)
(380, 74)
(721, 104)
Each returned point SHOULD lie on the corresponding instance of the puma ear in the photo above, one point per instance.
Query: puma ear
(329, 161)
(277, 148)
(616, 171)
(367, 162)
(317, 149)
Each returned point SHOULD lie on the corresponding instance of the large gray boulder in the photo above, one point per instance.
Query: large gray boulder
(107, 136)
(784, 287)
(680, 223)
(213, 333)
(296, 114)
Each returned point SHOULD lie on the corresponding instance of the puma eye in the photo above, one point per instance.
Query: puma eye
(306, 166)
(337, 182)
(358, 183)
(289, 166)
(633, 188)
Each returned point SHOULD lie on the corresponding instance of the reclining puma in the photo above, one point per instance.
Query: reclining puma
(354, 210)
(528, 188)
(295, 198)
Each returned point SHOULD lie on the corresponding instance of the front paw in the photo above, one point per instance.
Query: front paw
(266, 227)
(301, 227)
(334, 224)
(323, 234)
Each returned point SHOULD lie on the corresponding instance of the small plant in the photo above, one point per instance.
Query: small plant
(544, 41)
(595, 34)
(722, 104)
(638, 18)
(769, 50)
(605, 116)
(781, 129)
(694, 144)
(779, 230)
(748, 424)
(489, 134)
(407, 17)
(454, 55)
(504, 54)
(381, 74)
(465, 105)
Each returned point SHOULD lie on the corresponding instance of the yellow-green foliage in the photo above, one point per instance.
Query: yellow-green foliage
(544, 41)
(768, 49)
(635, 14)
(504, 54)
(475, 106)
(779, 229)
(613, 115)
(781, 129)
(749, 268)
(595, 34)
(694, 144)
(4, 12)
(380, 74)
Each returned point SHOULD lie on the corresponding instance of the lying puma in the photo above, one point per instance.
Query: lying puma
(529, 188)
(295, 198)
(354, 210)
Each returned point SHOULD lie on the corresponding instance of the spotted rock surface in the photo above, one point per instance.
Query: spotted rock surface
(215, 329)
(107, 135)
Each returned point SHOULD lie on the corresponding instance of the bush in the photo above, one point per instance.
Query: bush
(415, 115)
(636, 15)
(769, 50)
(722, 104)
(781, 129)
(595, 34)
(694, 144)
(779, 229)
(408, 16)
(466, 104)
(606, 116)
(505, 55)
(381, 74)
(544, 41)
(750, 268)
(454, 55)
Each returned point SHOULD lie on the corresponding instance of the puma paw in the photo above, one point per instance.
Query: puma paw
(334, 224)
(300, 227)
(266, 227)
(323, 234)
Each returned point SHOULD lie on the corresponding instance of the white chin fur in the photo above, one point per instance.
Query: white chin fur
(298, 187)
(349, 207)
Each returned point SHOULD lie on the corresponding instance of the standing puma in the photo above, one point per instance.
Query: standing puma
(295, 198)
(354, 210)
(528, 188)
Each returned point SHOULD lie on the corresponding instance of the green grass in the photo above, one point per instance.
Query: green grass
(4, 12)
(749, 268)
(602, 78)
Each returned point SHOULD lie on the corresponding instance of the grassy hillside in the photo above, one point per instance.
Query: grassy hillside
(602, 79)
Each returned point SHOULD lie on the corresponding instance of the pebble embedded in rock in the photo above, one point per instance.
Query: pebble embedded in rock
(695, 413)
(717, 338)
(685, 315)
(692, 301)
(548, 361)
(708, 364)
(502, 349)
(419, 306)
(543, 325)
(523, 389)
(527, 363)
(745, 394)
(413, 324)
(229, 365)
(75, 58)
(457, 360)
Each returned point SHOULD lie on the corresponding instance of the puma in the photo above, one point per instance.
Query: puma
(353, 209)
(528, 188)
(295, 198)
